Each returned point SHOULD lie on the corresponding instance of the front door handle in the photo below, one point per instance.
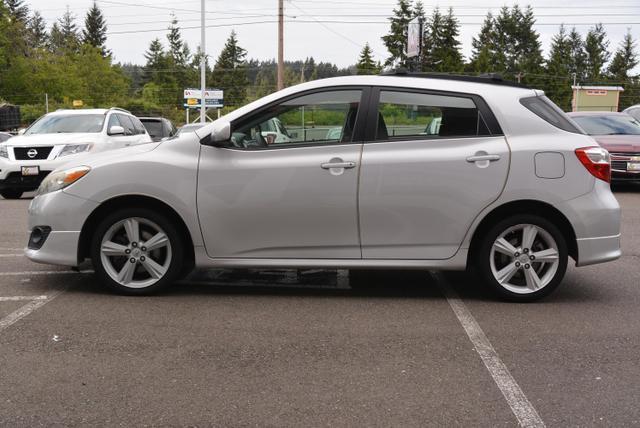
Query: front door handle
(331, 165)
(483, 158)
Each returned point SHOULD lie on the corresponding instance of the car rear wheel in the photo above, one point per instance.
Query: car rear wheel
(11, 194)
(137, 251)
(523, 258)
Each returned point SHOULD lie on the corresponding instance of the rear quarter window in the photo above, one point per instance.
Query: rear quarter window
(545, 109)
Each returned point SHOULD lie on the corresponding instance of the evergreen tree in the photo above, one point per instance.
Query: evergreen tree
(625, 58)
(37, 31)
(578, 56)
(178, 49)
(596, 47)
(503, 41)
(230, 74)
(95, 29)
(482, 55)
(559, 68)
(451, 55)
(396, 40)
(309, 69)
(18, 11)
(528, 49)
(156, 62)
(433, 39)
(366, 64)
(64, 36)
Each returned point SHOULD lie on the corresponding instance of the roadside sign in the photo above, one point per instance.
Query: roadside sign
(414, 36)
(78, 103)
(208, 94)
(195, 103)
(213, 98)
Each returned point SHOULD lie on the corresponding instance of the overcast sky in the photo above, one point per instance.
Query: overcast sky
(310, 27)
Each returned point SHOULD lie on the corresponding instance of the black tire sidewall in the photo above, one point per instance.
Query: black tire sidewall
(11, 194)
(177, 250)
(482, 258)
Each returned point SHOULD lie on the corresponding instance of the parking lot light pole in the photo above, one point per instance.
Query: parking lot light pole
(203, 67)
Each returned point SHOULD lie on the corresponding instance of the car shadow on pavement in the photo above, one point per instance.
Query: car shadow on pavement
(388, 284)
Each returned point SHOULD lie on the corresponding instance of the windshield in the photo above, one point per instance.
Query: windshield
(57, 123)
(619, 124)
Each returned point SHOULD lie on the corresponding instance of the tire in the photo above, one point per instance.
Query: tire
(501, 254)
(126, 265)
(11, 194)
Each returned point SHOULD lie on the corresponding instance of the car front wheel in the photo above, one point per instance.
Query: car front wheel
(523, 258)
(137, 251)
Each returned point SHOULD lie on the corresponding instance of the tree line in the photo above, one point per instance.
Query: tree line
(507, 43)
(70, 61)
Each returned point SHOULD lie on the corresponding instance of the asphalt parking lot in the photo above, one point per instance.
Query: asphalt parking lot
(288, 348)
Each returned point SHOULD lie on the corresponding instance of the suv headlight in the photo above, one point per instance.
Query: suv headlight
(72, 149)
(4, 153)
(61, 179)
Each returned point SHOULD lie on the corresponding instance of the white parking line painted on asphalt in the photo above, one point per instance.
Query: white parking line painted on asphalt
(20, 298)
(25, 310)
(520, 406)
(45, 272)
(10, 249)
(12, 255)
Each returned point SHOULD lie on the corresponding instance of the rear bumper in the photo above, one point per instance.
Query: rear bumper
(598, 250)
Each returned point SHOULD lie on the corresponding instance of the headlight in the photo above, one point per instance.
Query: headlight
(4, 153)
(61, 179)
(72, 149)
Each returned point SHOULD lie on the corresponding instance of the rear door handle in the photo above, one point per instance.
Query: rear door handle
(481, 158)
(345, 165)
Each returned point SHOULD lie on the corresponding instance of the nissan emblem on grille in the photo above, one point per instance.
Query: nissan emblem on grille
(32, 153)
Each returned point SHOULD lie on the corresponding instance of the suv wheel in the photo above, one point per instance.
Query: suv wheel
(523, 258)
(137, 251)
(11, 194)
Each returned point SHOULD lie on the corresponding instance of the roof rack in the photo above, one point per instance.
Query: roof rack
(120, 109)
(489, 78)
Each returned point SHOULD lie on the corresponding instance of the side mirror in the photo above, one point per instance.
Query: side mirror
(220, 135)
(116, 130)
(22, 131)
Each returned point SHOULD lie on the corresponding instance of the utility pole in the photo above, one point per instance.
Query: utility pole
(280, 44)
(203, 67)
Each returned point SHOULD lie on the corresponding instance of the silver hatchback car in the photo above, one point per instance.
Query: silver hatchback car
(508, 185)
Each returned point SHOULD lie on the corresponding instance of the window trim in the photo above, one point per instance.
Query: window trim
(359, 128)
(374, 101)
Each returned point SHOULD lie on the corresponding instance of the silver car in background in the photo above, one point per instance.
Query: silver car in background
(508, 185)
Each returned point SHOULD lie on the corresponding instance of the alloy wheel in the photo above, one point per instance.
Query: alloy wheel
(135, 252)
(524, 258)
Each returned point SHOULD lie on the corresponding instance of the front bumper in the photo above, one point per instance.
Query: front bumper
(65, 214)
(15, 180)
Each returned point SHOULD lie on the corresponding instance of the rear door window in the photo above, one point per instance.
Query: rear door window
(412, 115)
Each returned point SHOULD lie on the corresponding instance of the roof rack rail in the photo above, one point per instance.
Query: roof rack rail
(120, 109)
(489, 78)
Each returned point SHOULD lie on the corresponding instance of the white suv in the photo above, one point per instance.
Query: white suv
(55, 138)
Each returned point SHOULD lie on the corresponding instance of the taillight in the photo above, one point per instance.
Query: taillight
(597, 162)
